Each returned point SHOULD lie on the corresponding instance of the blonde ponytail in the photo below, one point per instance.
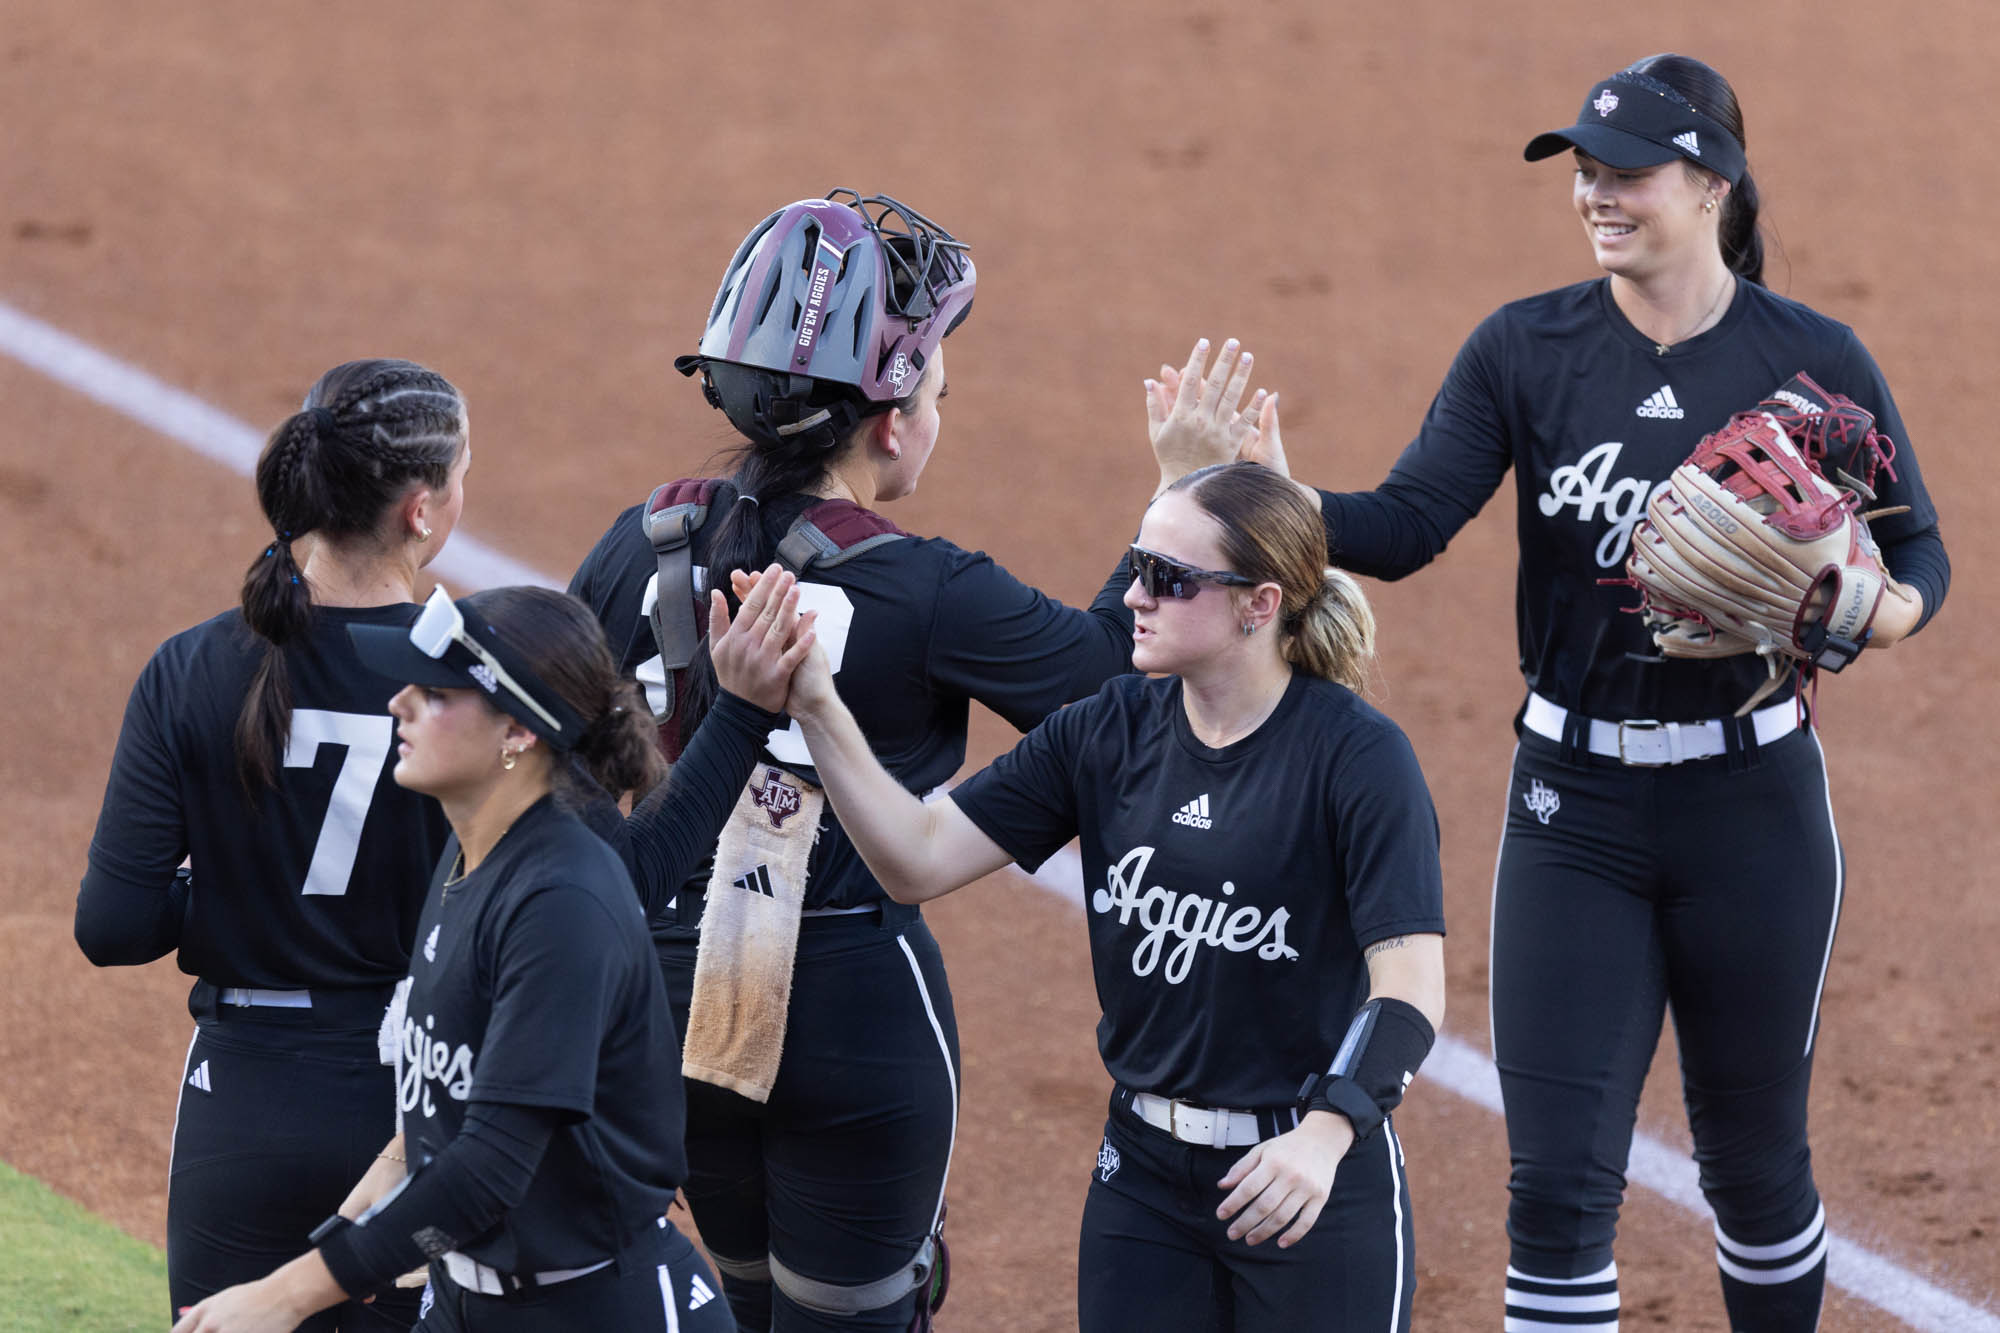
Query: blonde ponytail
(1333, 635)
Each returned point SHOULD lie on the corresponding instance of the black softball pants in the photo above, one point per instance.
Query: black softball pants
(1154, 1256)
(1711, 888)
(659, 1285)
(840, 1176)
(279, 1117)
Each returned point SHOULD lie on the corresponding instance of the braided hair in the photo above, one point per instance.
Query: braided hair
(368, 432)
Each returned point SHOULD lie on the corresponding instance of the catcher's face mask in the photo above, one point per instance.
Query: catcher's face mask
(442, 650)
(1161, 577)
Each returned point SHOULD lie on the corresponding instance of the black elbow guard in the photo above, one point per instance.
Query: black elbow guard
(1382, 1051)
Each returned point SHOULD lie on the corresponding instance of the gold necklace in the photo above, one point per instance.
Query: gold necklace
(1661, 349)
(457, 873)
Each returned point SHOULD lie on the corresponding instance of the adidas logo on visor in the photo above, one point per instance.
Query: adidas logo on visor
(1662, 405)
(1195, 813)
(1687, 141)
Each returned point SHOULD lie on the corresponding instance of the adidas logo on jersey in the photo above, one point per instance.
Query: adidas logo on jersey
(199, 1078)
(756, 881)
(431, 945)
(699, 1293)
(1689, 142)
(1195, 813)
(1662, 405)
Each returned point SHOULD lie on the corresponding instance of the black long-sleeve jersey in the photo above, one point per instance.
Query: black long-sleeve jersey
(315, 883)
(931, 627)
(1593, 419)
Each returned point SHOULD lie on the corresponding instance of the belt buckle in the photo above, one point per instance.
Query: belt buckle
(1642, 724)
(1173, 1118)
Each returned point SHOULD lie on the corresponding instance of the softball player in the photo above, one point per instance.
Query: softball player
(256, 749)
(820, 1202)
(1268, 911)
(1593, 394)
(537, 1083)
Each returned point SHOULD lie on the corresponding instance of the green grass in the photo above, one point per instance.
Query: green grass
(63, 1270)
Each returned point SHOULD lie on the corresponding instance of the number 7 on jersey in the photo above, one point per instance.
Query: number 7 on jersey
(367, 738)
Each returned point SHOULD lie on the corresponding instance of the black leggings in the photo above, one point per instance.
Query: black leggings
(1623, 891)
(840, 1175)
(278, 1119)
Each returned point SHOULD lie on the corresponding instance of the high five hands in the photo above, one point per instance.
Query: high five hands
(768, 653)
(1193, 417)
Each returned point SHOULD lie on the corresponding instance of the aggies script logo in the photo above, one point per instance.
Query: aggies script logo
(1190, 918)
(1587, 486)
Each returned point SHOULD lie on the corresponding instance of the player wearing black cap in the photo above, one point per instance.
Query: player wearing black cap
(537, 1078)
(256, 748)
(1266, 933)
(1593, 394)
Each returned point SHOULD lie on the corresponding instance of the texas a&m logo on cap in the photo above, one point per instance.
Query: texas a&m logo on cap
(780, 799)
(1606, 103)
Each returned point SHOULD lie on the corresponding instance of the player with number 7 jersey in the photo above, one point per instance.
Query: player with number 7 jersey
(250, 824)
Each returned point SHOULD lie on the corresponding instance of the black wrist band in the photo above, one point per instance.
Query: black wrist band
(1378, 1057)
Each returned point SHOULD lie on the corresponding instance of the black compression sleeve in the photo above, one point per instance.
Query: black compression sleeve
(1384, 533)
(480, 1175)
(677, 824)
(121, 923)
(1110, 599)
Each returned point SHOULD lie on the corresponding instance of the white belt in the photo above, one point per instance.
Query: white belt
(269, 999)
(1643, 743)
(1198, 1124)
(469, 1273)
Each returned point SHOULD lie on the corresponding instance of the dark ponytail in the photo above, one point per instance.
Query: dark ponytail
(1709, 93)
(565, 647)
(772, 467)
(369, 431)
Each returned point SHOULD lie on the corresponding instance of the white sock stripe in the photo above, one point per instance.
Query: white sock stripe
(1784, 1249)
(1517, 1324)
(1528, 1300)
(667, 1301)
(1772, 1277)
(951, 1073)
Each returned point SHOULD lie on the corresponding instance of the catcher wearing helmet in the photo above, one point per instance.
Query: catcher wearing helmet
(821, 1051)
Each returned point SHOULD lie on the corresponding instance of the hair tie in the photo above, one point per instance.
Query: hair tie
(747, 496)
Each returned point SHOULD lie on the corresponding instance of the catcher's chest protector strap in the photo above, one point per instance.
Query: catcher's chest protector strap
(828, 533)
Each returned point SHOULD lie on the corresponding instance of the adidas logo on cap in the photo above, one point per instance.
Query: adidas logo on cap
(1689, 142)
(1662, 405)
(1195, 813)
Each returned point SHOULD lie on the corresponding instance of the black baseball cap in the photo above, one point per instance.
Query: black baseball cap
(1633, 120)
(452, 647)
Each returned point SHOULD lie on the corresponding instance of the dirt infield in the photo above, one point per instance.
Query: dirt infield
(536, 199)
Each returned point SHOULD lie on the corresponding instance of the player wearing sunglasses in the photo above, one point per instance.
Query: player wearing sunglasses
(1266, 929)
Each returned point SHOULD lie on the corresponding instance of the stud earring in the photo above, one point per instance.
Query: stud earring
(423, 533)
(1708, 206)
(508, 758)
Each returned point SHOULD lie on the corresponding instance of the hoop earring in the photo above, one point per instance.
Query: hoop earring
(1248, 629)
(508, 758)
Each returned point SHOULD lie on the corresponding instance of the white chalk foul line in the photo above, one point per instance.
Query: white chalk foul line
(207, 430)
(1454, 1064)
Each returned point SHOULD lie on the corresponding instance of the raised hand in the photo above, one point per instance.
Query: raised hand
(756, 653)
(1191, 414)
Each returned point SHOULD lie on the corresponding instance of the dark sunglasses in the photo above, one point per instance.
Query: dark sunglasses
(1161, 577)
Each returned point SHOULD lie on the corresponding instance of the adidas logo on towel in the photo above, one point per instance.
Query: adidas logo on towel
(699, 1293)
(1195, 813)
(1689, 142)
(199, 1078)
(1662, 405)
(756, 881)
